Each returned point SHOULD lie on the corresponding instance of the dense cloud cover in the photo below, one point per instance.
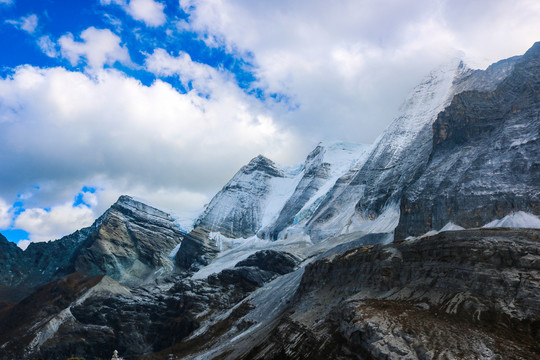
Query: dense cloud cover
(166, 100)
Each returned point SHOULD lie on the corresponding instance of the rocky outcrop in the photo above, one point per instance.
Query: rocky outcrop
(400, 155)
(256, 270)
(197, 250)
(128, 242)
(29, 323)
(132, 241)
(43, 262)
(11, 265)
(90, 316)
(462, 295)
(484, 162)
(238, 209)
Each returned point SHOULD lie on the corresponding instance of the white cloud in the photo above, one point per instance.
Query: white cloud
(29, 23)
(62, 130)
(6, 2)
(99, 47)
(200, 76)
(349, 65)
(148, 11)
(26, 23)
(5, 215)
(47, 46)
(52, 224)
(23, 244)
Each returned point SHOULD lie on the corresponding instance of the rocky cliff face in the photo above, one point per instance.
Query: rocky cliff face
(484, 162)
(93, 315)
(270, 202)
(128, 242)
(11, 266)
(322, 168)
(400, 155)
(238, 210)
(457, 295)
(132, 241)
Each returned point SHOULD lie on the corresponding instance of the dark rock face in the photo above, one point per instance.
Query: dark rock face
(278, 262)
(10, 262)
(133, 240)
(196, 250)
(468, 294)
(43, 262)
(144, 320)
(127, 242)
(484, 162)
(20, 324)
(257, 270)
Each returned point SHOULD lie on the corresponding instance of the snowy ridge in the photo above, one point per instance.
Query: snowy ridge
(264, 195)
(372, 188)
(327, 163)
(420, 108)
(343, 157)
(281, 189)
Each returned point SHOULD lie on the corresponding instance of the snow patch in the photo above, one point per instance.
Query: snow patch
(281, 190)
(174, 251)
(518, 219)
(451, 227)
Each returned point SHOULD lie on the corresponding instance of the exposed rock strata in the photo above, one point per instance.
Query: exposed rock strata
(457, 295)
(91, 322)
(128, 242)
(485, 158)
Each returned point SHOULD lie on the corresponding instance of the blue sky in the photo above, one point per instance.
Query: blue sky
(54, 19)
(165, 100)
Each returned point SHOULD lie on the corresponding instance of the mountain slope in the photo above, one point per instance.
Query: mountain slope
(323, 167)
(485, 158)
(267, 201)
(244, 205)
(399, 156)
(128, 242)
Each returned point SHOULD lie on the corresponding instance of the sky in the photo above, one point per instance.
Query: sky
(166, 100)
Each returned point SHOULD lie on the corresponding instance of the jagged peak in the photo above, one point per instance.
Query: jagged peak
(263, 164)
(336, 153)
(130, 204)
(533, 50)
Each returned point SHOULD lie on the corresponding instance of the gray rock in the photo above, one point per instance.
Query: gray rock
(470, 294)
(484, 162)
(401, 155)
(128, 242)
(236, 211)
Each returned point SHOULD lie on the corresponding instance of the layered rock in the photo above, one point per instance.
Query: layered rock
(484, 162)
(239, 208)
(197, 249)
(128, 242)
(132, 241)
(33, 322)
(322, 168)
(469, 294)
(90, 316)
(268, 201)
